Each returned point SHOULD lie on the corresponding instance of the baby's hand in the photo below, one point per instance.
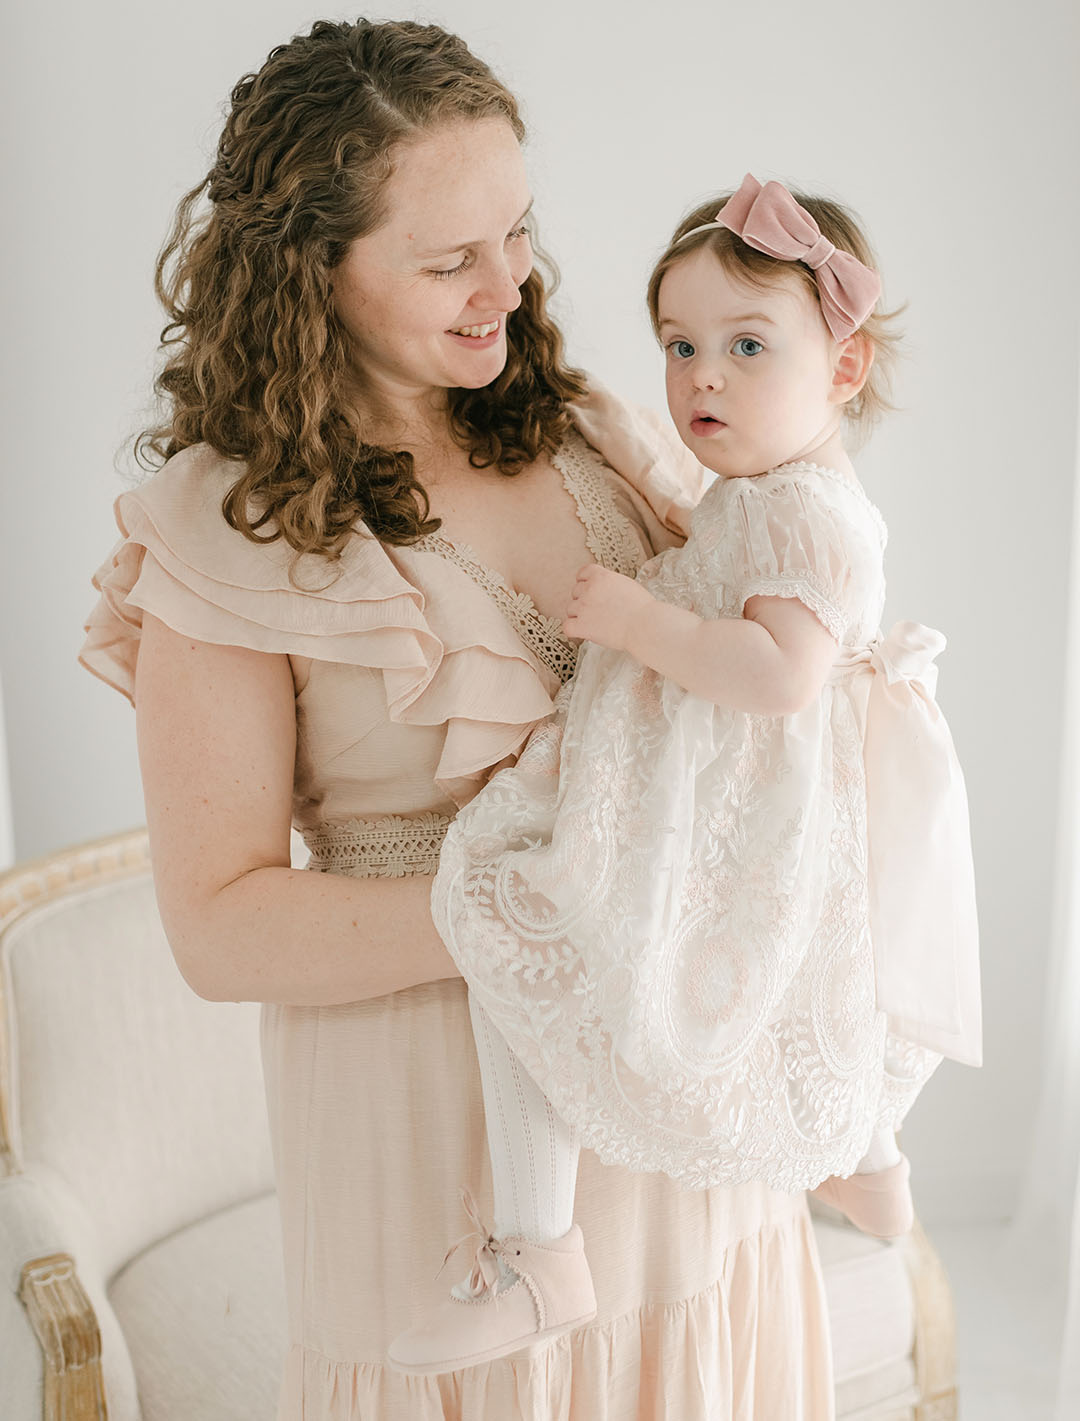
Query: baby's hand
(604, 606)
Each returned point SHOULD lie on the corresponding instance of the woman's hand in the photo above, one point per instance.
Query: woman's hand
(604, 607)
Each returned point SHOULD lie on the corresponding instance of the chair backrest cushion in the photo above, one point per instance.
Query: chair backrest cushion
(147, 1100)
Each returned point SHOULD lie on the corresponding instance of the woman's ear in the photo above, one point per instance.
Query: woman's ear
(851, 364)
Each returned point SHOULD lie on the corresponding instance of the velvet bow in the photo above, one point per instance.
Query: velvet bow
(770, 220)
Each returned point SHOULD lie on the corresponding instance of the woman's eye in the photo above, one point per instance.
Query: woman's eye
(466, 261)
(681, 349)
(747, 345)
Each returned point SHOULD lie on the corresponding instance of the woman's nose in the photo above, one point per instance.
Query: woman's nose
(498, 286)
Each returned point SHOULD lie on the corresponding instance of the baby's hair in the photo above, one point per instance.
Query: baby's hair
(758, 269)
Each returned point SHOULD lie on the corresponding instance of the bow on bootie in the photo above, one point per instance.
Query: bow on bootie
(921, 877)
(771, 221)
(485, 1269)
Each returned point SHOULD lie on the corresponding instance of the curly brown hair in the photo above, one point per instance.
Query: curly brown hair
(256, 360)
(843, 230)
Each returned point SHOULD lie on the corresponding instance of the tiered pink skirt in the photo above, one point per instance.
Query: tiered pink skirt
(710, 1303)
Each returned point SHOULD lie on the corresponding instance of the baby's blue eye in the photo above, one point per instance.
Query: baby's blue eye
(747, 345)
(681, 348)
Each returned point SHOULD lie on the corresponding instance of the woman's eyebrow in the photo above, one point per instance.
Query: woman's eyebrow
(473, 242)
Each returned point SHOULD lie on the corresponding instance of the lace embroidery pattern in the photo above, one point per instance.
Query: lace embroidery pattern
(664, 906)
(392, 846)
(609, 536)
(801, 466)
(692, 986)
(800, 586)
(542, 635)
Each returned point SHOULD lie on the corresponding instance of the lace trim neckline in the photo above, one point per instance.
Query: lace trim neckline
(608, 536)
(543, 635)
(811, 468)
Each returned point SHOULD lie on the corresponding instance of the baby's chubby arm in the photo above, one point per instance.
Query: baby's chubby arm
(771, 661)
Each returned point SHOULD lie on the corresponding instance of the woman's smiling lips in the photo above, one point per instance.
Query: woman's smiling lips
(492, 333)
(703, 424)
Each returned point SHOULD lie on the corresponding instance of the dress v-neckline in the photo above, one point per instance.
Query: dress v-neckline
(609, 537)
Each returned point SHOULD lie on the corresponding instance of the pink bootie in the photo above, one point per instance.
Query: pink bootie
(519, 1293)
(878, 1203)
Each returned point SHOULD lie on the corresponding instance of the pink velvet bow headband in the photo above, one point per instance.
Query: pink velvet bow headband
(770, 220)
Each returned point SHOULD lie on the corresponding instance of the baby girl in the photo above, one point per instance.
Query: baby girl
(719, 920)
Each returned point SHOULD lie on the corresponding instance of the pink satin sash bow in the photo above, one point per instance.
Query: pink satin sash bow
(770, 220)
(922, 881)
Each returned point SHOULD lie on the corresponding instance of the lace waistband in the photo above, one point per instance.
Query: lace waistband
(392, 846)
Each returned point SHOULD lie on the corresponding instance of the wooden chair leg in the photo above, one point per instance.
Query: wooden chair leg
(67, 1329)
(935, 1331)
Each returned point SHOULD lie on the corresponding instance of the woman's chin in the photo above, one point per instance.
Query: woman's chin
(475, 373)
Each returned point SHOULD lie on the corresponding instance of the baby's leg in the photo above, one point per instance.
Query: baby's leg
(534, 1153)
(882, 1153)
(530, 1281)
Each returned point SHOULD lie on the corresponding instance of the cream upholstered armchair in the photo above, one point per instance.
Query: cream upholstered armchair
(138, 1226)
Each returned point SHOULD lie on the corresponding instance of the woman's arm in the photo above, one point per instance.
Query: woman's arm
(217, 740)
(772, 661)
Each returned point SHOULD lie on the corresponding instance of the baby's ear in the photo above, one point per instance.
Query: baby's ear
(852, 359)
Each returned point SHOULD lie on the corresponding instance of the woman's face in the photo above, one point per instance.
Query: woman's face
(427, 296)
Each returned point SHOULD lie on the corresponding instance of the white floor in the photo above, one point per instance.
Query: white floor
(1008, 1325)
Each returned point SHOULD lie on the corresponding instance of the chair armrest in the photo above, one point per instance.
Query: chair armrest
(63, 1349)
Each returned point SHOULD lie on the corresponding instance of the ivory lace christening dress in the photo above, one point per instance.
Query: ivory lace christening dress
(415, 671)
(668, 908)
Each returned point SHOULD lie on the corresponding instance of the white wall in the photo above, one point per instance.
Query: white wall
(7, 824)
(945, 124)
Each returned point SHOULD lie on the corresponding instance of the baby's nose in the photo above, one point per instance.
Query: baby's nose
(707, 377)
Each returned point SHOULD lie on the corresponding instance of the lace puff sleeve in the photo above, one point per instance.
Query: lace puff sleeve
(810, 535)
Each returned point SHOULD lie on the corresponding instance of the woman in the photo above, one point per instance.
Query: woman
(338, 604)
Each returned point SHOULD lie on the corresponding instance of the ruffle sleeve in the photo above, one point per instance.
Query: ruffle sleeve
(179, 560)
(809, 535)
(383, 608)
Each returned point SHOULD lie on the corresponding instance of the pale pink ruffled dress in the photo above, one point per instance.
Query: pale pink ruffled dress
(415, 671)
